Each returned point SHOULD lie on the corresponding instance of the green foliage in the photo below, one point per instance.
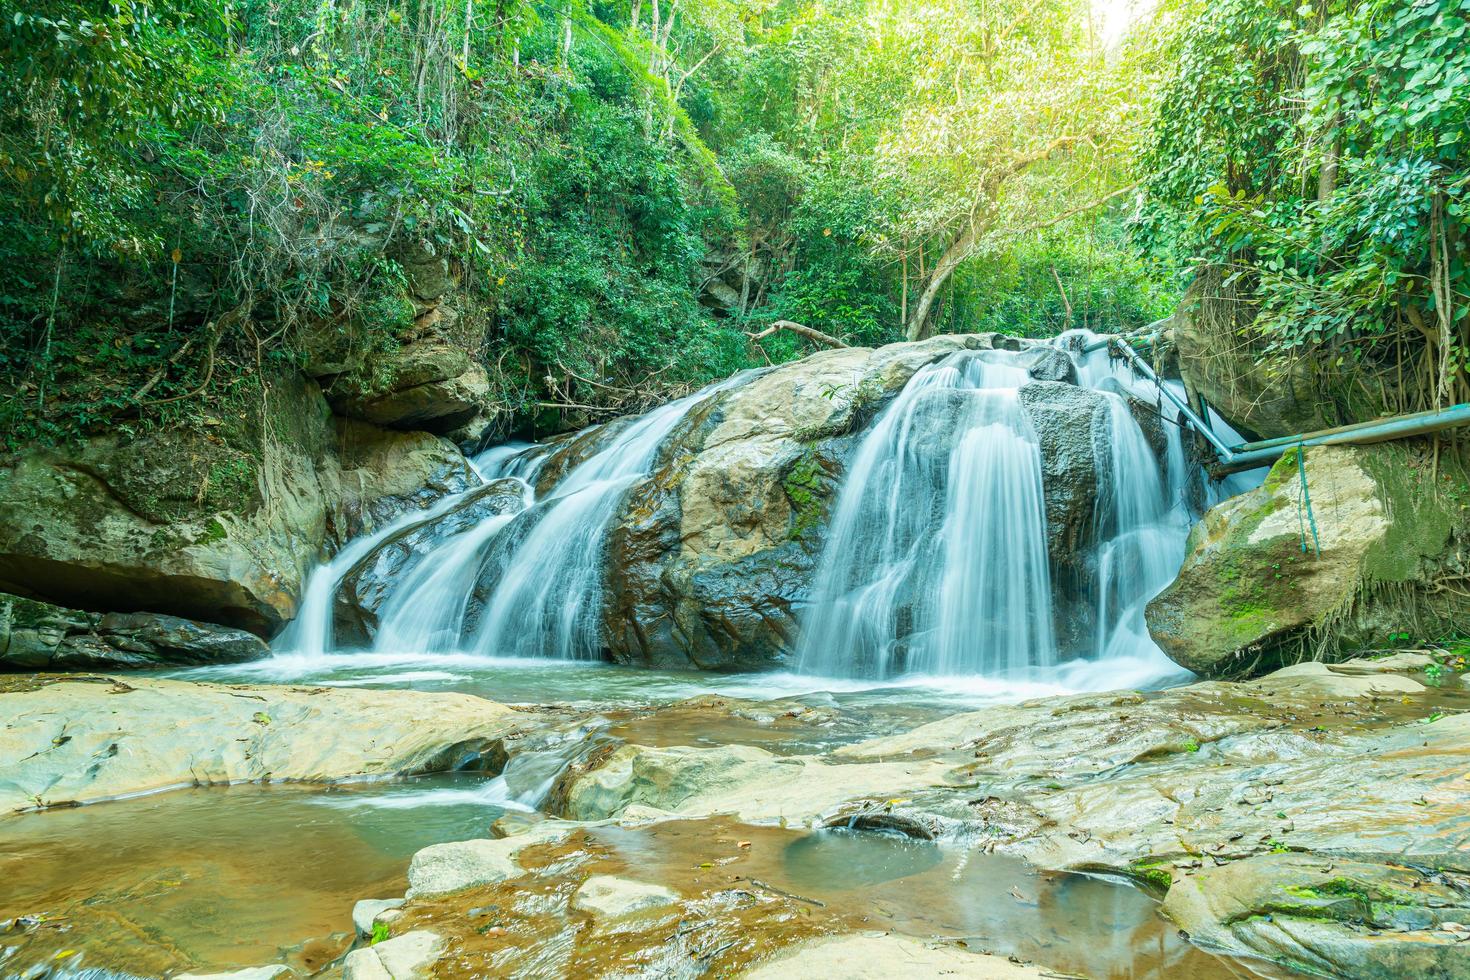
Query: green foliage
(1317, 154)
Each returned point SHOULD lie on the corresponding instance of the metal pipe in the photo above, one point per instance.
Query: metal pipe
(1383, 430)
(1200, 425)
(1352, 427)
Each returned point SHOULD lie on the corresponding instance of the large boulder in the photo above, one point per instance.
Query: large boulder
(1324, 914)
(64, 742)
(38, 636)
(712, 560)
(1310, 568)
(220, 523)
(430, 383)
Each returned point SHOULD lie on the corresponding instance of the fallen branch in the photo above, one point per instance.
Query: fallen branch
(797, 328)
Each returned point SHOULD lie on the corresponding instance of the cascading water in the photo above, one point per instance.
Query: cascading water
(919, 575)
(539, 571)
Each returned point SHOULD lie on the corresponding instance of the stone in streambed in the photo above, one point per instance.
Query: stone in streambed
(458, 865)
(250, 973)
(406, 957)
(869, 956)
(608, 896)
(367, 911)
(1327, 915)
(738, 779)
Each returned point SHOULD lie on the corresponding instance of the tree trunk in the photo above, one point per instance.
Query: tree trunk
(957, 252)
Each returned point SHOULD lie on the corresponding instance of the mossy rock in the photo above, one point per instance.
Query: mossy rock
(1318, 564)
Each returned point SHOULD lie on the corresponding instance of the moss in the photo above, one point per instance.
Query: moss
(806, 488)
(1153, 875)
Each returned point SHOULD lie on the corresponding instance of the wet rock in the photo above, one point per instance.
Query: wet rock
(369, 583)
(609, 897)
(714, 555)
(406, 957)
(732, 779)
(367, 911)
(1249, 598)
(1050, 364)
(1327, 915)
(446, 868)
(875, 956)
(1071, 424)
(385, 473)
(38, 636)
(250, 973)
(86, 739)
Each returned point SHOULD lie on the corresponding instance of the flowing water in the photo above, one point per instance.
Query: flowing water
(919, 576)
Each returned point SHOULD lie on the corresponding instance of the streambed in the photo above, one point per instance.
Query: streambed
(221, 878)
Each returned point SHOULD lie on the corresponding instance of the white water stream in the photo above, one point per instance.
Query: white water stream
(935, 567)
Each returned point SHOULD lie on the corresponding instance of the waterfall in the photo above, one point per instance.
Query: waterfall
(919, 574)
(527, 584)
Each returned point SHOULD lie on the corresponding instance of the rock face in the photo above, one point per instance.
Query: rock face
(435, 385)
(1260, 397)
(713, 558)
(213, 528)
(89, 739)
(38, 636)
(1319, 913)
(1249, 598)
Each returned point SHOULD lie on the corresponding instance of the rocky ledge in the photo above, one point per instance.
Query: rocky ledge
(1318, 817)
(68, 740)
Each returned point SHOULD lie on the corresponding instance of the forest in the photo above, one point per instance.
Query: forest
(628, 192)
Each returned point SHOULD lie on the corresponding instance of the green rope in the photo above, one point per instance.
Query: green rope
(1301, 469)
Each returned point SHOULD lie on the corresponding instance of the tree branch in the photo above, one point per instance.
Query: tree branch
(797, 328)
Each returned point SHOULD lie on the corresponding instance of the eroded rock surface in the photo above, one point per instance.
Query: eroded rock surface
(218, 526)
(714, 557)
(86, 739)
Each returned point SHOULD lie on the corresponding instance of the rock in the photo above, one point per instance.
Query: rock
(83, 740)
(1219, 358)
(430, 383)
(875, 956)
(365, 912)
(250, 973)
(1326, 915)
(385, 473)
(38, 636)
(738, 779)
(1249, 598)
(406, 957)
(219, 526)
(1072, 425)
(455, 866)
(609, 897)
(368, 584)
(1045, 363)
